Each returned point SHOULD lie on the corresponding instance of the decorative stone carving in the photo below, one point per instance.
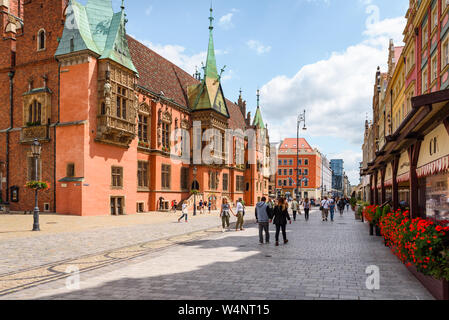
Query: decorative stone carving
(185, 124)
(166, 117)
(107, 97)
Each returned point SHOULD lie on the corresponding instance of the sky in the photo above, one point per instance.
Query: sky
(315, 55)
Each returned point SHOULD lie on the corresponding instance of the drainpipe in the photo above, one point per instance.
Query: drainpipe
(11, 125)
(54, 136)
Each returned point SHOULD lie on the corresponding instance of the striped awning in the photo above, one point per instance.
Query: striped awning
(434, 167)
(403, 177)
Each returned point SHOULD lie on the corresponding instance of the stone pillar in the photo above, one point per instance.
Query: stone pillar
(383, 190)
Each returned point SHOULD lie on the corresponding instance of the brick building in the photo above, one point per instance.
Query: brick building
(309, 164)
(111, 116)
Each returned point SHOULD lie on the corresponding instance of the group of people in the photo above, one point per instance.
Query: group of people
(328, 206)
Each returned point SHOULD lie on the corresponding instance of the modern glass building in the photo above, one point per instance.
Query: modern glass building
(337, 166)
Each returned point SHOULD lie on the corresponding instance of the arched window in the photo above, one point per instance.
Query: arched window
(41, 37)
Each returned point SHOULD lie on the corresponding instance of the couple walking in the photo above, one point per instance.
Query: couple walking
(296, 208)
(327, 206)
(225, 215)
(267, 213)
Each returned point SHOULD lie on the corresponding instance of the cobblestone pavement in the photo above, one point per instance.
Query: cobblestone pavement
(22, 253)
(323, 260)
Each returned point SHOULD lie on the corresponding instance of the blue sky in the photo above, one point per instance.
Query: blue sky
(318, 55)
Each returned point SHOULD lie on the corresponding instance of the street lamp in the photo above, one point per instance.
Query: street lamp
(36, 149)
(195, 172)
(301, 119)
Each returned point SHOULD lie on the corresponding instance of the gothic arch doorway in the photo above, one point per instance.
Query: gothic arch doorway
(195, 185)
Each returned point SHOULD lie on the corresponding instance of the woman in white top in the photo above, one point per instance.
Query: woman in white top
(185, 212)
(240, 209)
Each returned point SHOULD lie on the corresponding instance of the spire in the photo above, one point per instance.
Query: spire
(211, 63)
(258, 98)
(123, 5)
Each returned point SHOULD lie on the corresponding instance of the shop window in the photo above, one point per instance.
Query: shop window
(437, 196)
(445, 53)
(117, 177)
(166, 176)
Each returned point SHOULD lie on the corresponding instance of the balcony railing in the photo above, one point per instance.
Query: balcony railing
(115, 130)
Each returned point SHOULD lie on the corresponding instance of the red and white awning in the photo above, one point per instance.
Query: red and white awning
(403, 177)
(434, 167)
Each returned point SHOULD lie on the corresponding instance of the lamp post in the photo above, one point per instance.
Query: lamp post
(195, 172)
(301, 119)
(36, 152)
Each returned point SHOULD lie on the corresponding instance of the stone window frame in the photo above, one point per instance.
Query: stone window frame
(70, 173)
(44, 98)
(38, 40)
(225, 182)
(30, 167)
(123, 204)
(116, 184)
(144, 111)
(240, 183)
(143, 180)
(166, 177)
(184, 177)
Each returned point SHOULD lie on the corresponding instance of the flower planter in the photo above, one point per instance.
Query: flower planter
(438, 288)
(378, 234)
(371, 229)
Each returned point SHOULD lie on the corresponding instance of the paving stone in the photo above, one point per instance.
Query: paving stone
(322, 261)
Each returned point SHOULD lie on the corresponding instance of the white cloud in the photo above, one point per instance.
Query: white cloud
(226, 21)
(336, 92)
(148, 10)
(258, 46)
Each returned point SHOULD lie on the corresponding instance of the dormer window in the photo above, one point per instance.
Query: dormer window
(41, 39)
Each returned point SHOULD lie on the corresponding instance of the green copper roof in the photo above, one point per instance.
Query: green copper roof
(209, 94)
(95, 27)
(258, 121)
(211, 63)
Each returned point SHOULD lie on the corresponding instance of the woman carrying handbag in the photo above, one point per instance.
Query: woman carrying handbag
(280, 220)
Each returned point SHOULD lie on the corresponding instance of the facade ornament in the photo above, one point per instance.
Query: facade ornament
(107, 96)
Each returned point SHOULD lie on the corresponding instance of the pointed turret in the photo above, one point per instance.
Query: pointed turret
(209, 94)
(211, 63)
(258, 120)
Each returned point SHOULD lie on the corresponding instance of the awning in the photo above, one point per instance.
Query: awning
(434, 167)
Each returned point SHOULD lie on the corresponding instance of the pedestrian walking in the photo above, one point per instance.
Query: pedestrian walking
(280, 218)
(240, 209)
(295, 208)
(348, 203)
(307, 208)
(263, 216)
(201, 206)
(225, 214)
(325, 209)
(209, 205)
(341, 203)
(184, 213)
(332, 208)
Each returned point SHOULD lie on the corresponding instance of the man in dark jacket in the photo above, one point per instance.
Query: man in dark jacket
(263, 217)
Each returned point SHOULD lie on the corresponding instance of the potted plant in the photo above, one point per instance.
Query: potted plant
(37, 185)
(369, 213)
(423, 246)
